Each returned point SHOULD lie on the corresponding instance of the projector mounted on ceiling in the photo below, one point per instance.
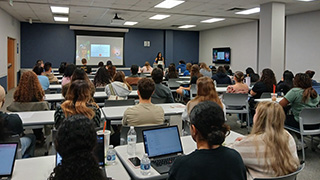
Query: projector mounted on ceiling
(117, 20)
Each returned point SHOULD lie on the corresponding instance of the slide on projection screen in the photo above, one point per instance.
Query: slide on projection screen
(99, 48)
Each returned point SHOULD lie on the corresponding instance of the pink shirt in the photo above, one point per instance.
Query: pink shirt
(65, 80)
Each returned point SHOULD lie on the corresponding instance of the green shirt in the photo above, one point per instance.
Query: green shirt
(294, 96)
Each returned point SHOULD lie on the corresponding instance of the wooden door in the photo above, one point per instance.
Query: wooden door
(10, 64)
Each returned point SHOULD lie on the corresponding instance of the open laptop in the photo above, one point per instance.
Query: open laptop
(163, 146)
(8, 156)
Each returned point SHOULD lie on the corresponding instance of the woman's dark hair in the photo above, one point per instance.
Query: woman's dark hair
(109, 63)
(310, 73)
(239, 76)
(62, 67)
(221, 69)
(75, 142)
(69, 70)
(303, 81)
(249, 70)
(38, 70)
(288, 78)
(100, 64)
(79, 74)
(102, 77)
(268, 78)
(159, 54)
(208, 118)
(172, 71)
(112, 70)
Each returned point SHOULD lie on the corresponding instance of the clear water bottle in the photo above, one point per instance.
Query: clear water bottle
(111, 156)
(179, 70)
(131, 140)
(145, 165)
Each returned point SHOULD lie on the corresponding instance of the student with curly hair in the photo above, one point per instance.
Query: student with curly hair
(211, 160)
(78, 101)
(75, 142)
(102, 78)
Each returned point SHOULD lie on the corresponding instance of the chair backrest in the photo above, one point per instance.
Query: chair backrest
(138, 129)
(291, 176)
(310, 116)
(134, 87)
(193, 91)
(158, 100)
(222, 85)
(172, 83)
(100, 89)
(234, 100)
(265, 95)
(28, 106)
(126, 102)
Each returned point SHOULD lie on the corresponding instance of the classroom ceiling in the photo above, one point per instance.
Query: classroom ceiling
(101, 12)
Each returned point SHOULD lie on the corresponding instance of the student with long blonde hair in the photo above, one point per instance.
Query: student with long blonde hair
(78, 101)
(269, 150)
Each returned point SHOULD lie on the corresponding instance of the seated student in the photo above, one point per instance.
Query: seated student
(102, 78)
(162, 93)
(78, 101)
(62, 67)
(205, 70)
(181, 66)
(172, 73)
(109, 64)
(188, 69)
(269, 150)
(118, 89)
(39, 63)
(145, 113)
(228, 70)
(221, 76)
(44, 80)
(253, 76)
(146, 68)
(300, 97)
(49, 74)
(265, 84)
(112, 70)
(195, 74)
(75, 142)
(211, 160)
(29, 96)
(134, 77)
(286, 82)
(311, 74)
(11, 125)
(86, 68)
(100, 64)
(239, 86)
(68, 74)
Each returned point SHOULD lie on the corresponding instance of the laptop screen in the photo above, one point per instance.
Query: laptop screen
(162, 141)
(7, 156)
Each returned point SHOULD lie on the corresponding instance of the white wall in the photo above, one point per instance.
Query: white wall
(242, 39)
(9, 27)
(303, 43)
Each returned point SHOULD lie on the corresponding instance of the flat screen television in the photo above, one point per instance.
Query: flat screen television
(221, 55)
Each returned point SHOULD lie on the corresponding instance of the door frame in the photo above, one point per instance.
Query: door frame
(13, 63)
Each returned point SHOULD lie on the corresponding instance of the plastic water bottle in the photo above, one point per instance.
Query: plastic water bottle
(111, 156)
(145, 165)
(131, 139)
(179, 70)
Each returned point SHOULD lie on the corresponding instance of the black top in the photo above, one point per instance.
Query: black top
(219, 164)
(12, 123)
(87, 69)
(254, 77)
(221, 78)
(284, 87)
(193, 80)
(260, 88)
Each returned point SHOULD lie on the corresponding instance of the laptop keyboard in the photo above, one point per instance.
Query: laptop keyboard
(165, 161)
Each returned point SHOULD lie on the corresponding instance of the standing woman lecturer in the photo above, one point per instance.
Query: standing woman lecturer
(159, 59)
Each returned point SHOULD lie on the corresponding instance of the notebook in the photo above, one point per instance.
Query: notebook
(163, 146)
(8, 156)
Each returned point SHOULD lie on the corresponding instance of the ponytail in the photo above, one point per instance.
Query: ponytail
(309, 92)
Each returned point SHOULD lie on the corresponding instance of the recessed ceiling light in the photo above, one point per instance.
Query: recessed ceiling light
(186, 26)
(130, 23)
(213, 20)
(61, 19)
(249, 11)
(159, 17)
(306, 0)
(59, 10)
(168, 4)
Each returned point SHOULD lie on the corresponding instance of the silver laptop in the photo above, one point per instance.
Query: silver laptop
(8, 156)
(163, 146)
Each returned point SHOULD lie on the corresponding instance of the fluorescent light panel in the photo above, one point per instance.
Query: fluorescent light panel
(61, 19)
(130, 23)
(168, 4)
(212, 20)
(249, 11)
(306, 0)
(159, 17)
(59, 10)
(186, 26)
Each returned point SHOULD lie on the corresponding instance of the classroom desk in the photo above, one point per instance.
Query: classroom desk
(268, 99)
(97, 95)
(41, 167)
(188, 146)
(35, 118)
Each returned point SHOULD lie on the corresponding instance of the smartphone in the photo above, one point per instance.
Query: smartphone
(58, 159)
(99, 150)
(135, 161)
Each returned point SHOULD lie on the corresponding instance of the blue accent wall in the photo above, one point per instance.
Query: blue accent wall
(3, 82)
(56, 43)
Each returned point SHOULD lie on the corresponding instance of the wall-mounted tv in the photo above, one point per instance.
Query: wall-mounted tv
(221, 55)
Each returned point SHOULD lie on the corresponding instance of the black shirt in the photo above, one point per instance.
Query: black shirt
(260, 88)
(221, 163)
(12, 123)
(193, 80)
(87, 69)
